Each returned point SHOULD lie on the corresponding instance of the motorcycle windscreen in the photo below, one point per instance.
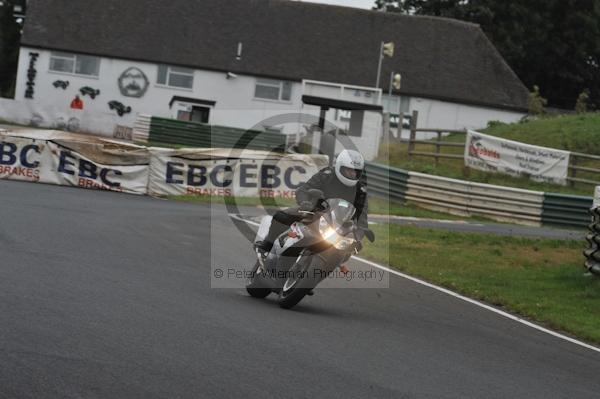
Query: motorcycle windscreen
(340, 211)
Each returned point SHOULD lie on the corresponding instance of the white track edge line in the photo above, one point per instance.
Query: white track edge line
(462, 297)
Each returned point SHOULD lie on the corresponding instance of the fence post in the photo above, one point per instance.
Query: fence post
(573, 172)
(437, 147)
(399, 128)
(413, 133)
(386, 128)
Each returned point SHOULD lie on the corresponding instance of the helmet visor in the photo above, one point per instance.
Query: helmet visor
(350, 173)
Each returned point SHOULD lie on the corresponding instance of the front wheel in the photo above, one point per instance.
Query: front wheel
(253, 288)
(290, 298)
(300, 282)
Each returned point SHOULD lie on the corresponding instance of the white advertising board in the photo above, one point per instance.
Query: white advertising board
(69, 159)
(225, 173)
(493, 154)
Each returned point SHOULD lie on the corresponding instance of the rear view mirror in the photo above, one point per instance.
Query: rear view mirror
(370, 235)
(315, 193)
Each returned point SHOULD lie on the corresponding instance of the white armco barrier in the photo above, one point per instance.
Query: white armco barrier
(597, 197)
(62, 158)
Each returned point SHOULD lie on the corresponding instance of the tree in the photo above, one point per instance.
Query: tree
(581, 106)
(536, 102)
(10, 36)
(552, 43)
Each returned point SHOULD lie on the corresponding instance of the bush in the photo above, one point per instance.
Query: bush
(581, 106)
(536, 102)
(495, 123)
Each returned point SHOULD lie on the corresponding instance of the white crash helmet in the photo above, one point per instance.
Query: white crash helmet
(349, 166)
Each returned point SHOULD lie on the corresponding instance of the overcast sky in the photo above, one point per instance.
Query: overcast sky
(368, 4)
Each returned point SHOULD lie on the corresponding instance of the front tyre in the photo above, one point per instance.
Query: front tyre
(254, 288)
(290, 298)
(298, 284)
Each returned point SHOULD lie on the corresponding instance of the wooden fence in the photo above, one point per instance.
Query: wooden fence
(578, 162)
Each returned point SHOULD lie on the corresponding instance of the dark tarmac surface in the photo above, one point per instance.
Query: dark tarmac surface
(106, 295)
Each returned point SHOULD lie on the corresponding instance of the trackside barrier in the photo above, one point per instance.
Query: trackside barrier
(386, 182)
(592, 252)
(466, 198)
(193, 134)
(141, 128)
(69, 159)
(566, 210)
(63, 158)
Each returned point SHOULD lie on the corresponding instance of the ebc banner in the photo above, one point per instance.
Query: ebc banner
(64, 166)
(247, 174)
(20, 158)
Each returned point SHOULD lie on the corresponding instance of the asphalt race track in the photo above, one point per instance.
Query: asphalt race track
(105, 295)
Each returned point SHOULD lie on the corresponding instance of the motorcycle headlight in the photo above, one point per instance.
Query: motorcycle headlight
(329, 234)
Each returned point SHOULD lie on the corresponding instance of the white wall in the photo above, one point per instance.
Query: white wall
(445, 115)
(235, 103)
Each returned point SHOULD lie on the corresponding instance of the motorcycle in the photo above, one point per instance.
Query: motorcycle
(308, 252)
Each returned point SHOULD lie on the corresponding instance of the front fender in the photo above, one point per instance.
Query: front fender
(326, 261)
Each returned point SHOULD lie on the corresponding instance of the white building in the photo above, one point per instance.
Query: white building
(240, 62)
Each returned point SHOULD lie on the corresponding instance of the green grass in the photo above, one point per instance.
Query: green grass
(540, 279)
(376, 206)
(578, 133)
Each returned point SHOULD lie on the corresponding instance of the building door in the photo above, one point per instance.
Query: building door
(200, 114)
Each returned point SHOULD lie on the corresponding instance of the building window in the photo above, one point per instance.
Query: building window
(276, 90)
(194, 114)
(75, 63)
(175, 76)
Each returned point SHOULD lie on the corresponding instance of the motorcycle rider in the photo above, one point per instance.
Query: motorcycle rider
(342, 180)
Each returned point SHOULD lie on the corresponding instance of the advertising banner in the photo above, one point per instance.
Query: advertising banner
(493, 154)
(69, 159)
(227, 173)
(20, 158)
(62, 158)
(66, 166)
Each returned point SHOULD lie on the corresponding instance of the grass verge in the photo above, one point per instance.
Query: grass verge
(540, 279)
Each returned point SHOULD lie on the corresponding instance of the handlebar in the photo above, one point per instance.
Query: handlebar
(306, 212)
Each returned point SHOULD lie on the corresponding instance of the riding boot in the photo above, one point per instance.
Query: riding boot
(275, 230)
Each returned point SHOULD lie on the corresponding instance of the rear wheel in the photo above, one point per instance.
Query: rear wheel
(254, 288)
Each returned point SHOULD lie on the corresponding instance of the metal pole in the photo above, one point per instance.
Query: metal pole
(327, 141)
(390, 93)
(379, 66)
(413, 132)
(388, 115)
